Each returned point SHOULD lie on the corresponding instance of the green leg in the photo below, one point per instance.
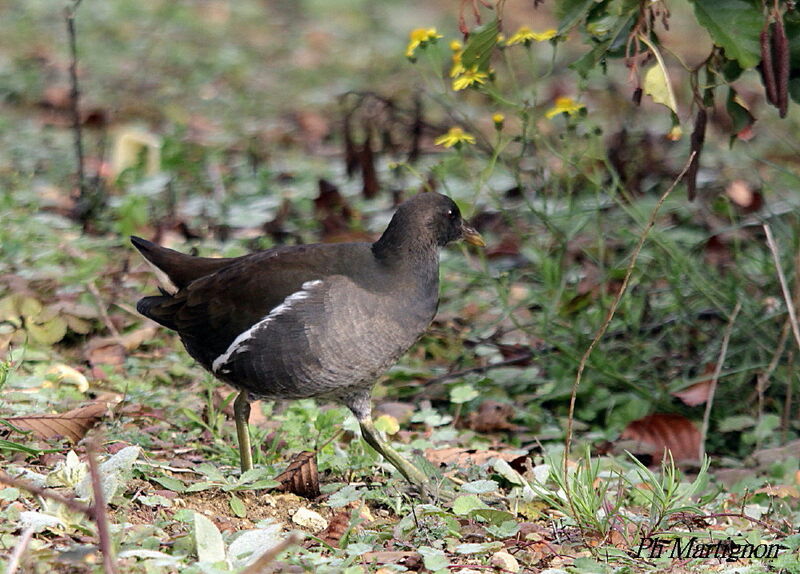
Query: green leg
(241, 414)
(411, 472)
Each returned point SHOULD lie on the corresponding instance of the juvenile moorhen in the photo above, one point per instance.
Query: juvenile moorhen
(320, 320)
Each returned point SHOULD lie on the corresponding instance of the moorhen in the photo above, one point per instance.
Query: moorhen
(320, 320)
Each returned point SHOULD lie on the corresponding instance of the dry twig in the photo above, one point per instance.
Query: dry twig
(609, 316)
(726, 337)
(263, 561)
(99, 509)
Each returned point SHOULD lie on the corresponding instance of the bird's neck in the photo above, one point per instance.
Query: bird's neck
(410, 257)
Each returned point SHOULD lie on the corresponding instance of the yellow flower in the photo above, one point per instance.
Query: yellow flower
(454, 138)
(525, 36)
(564, 106)
(419, 38)
(457, 67)
(498, 120)
(466, 78)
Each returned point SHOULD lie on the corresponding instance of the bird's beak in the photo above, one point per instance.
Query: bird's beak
(471, 236)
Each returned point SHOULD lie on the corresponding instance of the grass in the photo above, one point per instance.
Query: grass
(234, 95)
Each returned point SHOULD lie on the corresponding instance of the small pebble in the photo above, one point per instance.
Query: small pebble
(309, 519)
(505, 561)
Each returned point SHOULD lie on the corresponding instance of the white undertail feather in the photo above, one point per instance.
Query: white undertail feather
(163, 279)
(239, 343)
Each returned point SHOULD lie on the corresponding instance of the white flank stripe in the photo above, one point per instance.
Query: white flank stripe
(239, 342)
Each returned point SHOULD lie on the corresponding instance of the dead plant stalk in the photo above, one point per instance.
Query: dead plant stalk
(609, 316)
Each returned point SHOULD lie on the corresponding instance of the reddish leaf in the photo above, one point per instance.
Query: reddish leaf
(658, 432)
(337, 526)
(492, 416)
(698, 393)
(73, 424)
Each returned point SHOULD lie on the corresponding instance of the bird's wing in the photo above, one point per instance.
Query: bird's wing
(212, 311)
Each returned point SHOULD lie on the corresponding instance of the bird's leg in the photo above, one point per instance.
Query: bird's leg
(241, 414)
(411, 472)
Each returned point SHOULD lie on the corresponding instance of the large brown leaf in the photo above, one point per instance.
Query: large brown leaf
(72, 424)
(301, 477)
(657, 432)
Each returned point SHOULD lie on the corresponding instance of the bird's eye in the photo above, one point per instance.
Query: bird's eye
(452, 214)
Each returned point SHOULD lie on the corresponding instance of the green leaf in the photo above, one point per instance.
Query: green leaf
(47, 332)
(656, 80)
(169, 483)
(199, 486)
(463, 393)
(466, 503)
(570, 12)
(736, 423)
(433, 558)
(480, 486)
(505, 529)
(237, 506)
(739, 113)
(480, 45)
(492, 516)
(735, 26)
(343, 497)
(16, 447)
(208, 540)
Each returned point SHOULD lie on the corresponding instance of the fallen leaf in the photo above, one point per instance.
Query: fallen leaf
(61, 373)
(301, 477)
(465, 456)
(698, 393)
(492, 416)
(659, 432)
(113, 350)
(779, 490)
(72, 424)
(337, 526)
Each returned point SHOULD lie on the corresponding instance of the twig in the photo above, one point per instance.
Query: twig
(762, 380)
(75, 95)
(99, 509)
(102, 308)
(787, 297)
(70, 503)
(609, 316)
(19, 550)
(761, 523)
(726, 338)
(263, 561)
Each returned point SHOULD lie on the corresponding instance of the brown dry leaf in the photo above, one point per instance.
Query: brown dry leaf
(301, 477)
(113, 350)
(698, 393)
(72, 424)
(657, 432)
(389, 557)
(466, 456)
(780, 490)
(508, 246)
(337, 526)
(492, 416)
